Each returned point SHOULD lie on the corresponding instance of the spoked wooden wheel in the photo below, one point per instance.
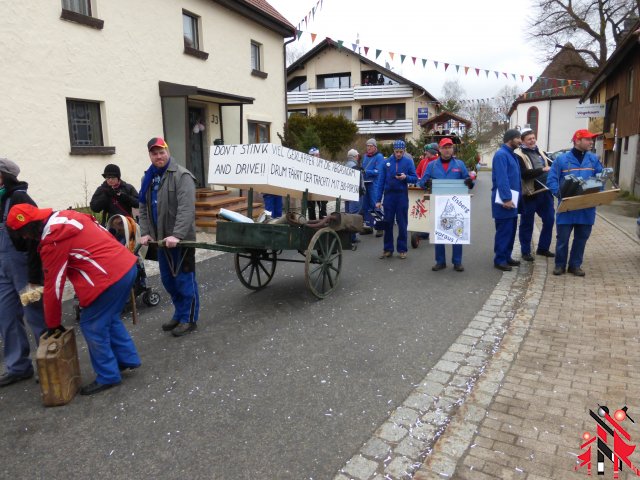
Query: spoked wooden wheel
(255, 269)
(323, 262)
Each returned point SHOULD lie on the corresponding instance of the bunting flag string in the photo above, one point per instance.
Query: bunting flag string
(310, 16)
(555, 82)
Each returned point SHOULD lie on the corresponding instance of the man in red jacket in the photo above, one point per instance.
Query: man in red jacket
(102, 272)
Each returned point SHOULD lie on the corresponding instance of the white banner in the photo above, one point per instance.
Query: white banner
(590, 110)
(279, 170)
(452, 219)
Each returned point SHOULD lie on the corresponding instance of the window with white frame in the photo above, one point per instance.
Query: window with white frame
(85, 128)
(256, 60)
(258, 132)
(190, 30)
(82, 7)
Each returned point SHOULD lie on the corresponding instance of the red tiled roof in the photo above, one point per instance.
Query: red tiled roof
(265, 7)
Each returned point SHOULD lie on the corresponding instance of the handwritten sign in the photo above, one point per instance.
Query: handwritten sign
(452, 219)
(279, 170)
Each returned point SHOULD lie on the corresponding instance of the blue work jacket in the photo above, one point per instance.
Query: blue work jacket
(372, 166)
(387, 181)
(505, 175)
(457, 170)
(569, 164)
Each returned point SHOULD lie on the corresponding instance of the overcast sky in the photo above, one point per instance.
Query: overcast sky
(487, 34)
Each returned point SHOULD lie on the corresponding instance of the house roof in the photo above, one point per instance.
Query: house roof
(618, 56)
(558, 80)
(328, 43)
(262, 12)
(443, 117)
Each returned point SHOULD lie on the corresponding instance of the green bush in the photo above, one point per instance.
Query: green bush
(332, 134)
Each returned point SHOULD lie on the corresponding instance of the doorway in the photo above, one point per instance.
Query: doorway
(195, 160)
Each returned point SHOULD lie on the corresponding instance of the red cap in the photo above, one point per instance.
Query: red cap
(584, 133)
(24, 213)
(445, 141)
(156, 142)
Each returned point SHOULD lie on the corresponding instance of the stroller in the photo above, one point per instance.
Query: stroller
(126, 231)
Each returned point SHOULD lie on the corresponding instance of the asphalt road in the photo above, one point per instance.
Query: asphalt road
(274, 384)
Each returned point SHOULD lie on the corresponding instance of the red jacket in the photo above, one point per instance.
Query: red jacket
(73, 244)
(422, 166)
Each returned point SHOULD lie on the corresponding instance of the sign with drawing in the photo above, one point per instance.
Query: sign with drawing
(452, 215)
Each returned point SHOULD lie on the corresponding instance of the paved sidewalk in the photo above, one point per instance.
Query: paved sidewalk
(572, 345)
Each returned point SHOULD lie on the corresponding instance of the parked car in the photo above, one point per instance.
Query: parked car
(553, 155)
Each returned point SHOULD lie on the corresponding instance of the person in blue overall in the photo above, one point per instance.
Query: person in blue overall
(168, 215)
(505, 175)
(536, 197)
(372, 163)
(20, 266)
(351, 206)
(580, 162)
(397, 172)
(447, 167)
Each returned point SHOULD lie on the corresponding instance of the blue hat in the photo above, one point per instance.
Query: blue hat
(313, 151)
(399, 145)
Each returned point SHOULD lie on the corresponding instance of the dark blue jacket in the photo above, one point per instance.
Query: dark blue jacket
(387, 181)
(569, 164)
(457, 170)
(505, 176)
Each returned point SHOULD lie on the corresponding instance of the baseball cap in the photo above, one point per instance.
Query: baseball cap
(445, 141)
(23, 213)
(313, 151)
(583, 133)
(156, 142)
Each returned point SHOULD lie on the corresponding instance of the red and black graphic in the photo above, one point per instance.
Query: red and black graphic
(608, 430)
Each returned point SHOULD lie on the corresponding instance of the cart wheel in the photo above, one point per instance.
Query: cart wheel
(415, 240)
(255, 270)
(151, 298)
(323, 263)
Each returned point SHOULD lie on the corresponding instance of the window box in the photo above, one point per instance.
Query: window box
(258, 73)
(195, 53)
(82, 19)
(93, 150)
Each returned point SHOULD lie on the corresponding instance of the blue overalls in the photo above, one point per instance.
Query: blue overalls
(579, 221)
(505, 175)
(396, 199)
(273, 204)
(456, 171)
(372, 167)
(13, 279)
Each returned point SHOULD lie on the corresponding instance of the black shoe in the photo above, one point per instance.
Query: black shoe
(366, 231)
(170, 325)
(527, 257)
(577, 271)
(124, 368)
(502, 266)
(558, 270)
(415, 240)
(438, 266)
(184, 328)
(458, 267)
(7, 378)
(545, 253)
(95, 387)
(513, 263)
(379, 233)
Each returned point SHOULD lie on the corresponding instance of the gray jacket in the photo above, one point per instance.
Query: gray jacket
(176, 206)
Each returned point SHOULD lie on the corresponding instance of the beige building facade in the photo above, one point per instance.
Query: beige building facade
(334, 79)
(86, 83)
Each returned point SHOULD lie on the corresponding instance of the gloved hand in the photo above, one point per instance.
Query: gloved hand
(469, 183)
(109, 191)
(53, 331)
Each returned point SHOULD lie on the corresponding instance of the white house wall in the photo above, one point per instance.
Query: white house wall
(627, 174)
(47, 60)
(561, 118)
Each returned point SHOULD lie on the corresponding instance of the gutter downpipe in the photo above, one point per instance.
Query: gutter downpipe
(549, 124)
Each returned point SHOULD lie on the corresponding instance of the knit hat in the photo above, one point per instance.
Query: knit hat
(372, 141)
(157, 142)
(399, 145)
(353, 153)
(23, 213)
(510, 135)
(111, 170)
(8, 166)
(431, 147)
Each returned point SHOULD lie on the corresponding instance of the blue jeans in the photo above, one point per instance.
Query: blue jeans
(581, 234)
(109, 342)
(542, 204)
(182, 287)
(504, 239)
(456, 256)
(396, 209)
(369, 203)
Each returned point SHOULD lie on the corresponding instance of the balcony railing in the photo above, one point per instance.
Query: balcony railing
(369, 92)
(384, 126)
